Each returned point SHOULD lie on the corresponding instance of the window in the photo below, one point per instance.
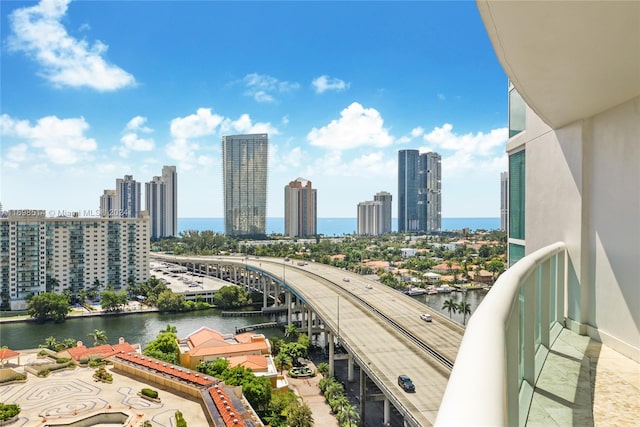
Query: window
(517, 113)
(517, 195)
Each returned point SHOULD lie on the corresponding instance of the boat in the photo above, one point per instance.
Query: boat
(445, 289)
(412, 291)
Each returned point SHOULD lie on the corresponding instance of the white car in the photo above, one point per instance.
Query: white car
(346, 279)
(426, 317)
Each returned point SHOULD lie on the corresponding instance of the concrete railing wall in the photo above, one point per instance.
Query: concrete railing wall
(506, 343)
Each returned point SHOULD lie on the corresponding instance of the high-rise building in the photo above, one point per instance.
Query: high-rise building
(370, 218)
(431, 191)
(300, 209)
(154, 194)
(161, 203)
(42, 254)
(419, 192)
(244, 174)
(504, 200)
(386, 200)
(108, 204)
(128, 197)
(170, 179)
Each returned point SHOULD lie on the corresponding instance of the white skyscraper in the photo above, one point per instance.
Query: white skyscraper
(370, 218)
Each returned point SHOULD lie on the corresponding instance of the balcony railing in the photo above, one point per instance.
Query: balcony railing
(506, 343)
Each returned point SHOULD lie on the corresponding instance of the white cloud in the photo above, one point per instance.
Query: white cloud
(202, 123)
(244, 125)
(469, 151)
(417, 131)
(262, 87)
(65, 61)
(62, 140)
(357, 126)
(325, 83)
(131, 141)
(15, 155)
(441, 97)
(137, 124)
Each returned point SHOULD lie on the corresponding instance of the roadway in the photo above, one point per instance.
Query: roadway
(380, 327)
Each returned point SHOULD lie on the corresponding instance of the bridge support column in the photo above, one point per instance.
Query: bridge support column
(386, 412)
(331, 354)
(350, 368)
(265, 293)
(363, 395)
(288, 302)
(309, 322)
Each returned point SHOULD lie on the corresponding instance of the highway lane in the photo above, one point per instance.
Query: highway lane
(381, 349)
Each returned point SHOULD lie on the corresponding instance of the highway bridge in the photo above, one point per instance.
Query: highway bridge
(379, 327)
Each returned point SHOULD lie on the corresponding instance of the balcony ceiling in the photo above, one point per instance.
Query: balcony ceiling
(568, 59)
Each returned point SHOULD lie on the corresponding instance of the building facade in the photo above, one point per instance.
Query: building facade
(40, 254)
(386, 199)
(128, 197)
(419, 192)
(300, 209)
(574, 152)
(370, 218)
(108, 204)
(161, 203)
(504, 200)
(244, 173)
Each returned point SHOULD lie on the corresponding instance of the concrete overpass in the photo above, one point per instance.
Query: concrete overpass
(379, 327)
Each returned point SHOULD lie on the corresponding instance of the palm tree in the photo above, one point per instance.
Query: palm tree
(291, 331)
(98, 337)
(450, 305)
(333, 390)
(51, 343)
(348, 416)
(464, 308)
(282, 361)
(299, 415)
(170, 328)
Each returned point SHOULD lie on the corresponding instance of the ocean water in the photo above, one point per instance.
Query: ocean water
(335, 226)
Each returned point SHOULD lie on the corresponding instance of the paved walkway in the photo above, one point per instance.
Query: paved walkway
(309, 392)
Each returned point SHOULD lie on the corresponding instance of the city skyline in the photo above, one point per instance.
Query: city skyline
(337, 100)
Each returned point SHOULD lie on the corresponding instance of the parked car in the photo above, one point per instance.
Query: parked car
(346, 279)
(426, 317)
(405, 382)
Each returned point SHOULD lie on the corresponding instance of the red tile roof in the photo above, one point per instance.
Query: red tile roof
(105, 350)
(167, 368)
(225, 407)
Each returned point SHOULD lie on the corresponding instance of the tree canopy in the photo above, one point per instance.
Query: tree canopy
(48, 305)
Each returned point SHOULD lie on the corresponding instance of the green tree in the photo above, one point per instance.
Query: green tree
(99, 336)
(348, 415)
(231, 297)
(450, 305)
(464, 308)
(495, 266)
(164, 347)
(170, 302)
(291, 332)
(299, 415)
(48, 306)
(113, 301)
(282, 361)
(323, 368)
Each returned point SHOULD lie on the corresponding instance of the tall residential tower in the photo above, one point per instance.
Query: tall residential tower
(244, 176)
(128, 197)
(419, 192)
(161, 195)
(300, 209)
(386, 200)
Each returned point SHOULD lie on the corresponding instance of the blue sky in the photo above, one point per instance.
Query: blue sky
(94, 90)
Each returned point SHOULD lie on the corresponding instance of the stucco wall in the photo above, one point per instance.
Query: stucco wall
(583, 188)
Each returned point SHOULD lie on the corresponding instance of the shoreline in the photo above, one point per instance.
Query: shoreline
(26, 319)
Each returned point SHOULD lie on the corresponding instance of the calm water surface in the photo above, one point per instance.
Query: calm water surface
(144, 328)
